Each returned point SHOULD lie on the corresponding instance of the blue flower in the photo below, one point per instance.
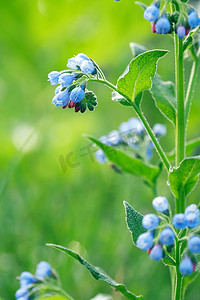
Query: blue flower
(105, 140)
(87, 67)
(160, 204)
(180, 221)
(163, 25)
(114, 138)
(167, 237)
(58, 89)
(136, 126)
(100, 156)
(53, 77)
(194, 244)
(43, 270)
(125, 128)
(72, 64)
(145, 241)
(186, 266)
(77, 94)
(22, 294)
(156, 253)
(61, 98)
(150, 221)
(66, 79)
(192, 209)
(75, 62)
(181, 31)
(193, 19)
(192, 220)
(151, 13)
(26, 279)
(159, 130)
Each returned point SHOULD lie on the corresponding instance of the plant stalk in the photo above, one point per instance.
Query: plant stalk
(149, 130)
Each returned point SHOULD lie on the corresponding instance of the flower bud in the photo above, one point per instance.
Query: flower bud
(151, 13)
(180, 221)
(156, 253)
(145, 241)
(160, 204)
(163, 25)
(186, 266)
(167, 237)
(150, 221)
(194, 244)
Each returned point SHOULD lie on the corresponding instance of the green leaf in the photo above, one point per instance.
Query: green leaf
(189, 39)
(163, 93)
(137, 49)
(98, 273)
(190, 148)
(168, 260)
(118, 98)
(139, 73)
(134, 221)
(129, 164)
(185, 177)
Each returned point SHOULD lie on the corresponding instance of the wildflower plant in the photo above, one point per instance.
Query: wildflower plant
(169, 233)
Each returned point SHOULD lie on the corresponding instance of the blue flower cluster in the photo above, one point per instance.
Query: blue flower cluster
(163, 22)
(160, 236)
(131, 134)
(30, 284)
(71, 91)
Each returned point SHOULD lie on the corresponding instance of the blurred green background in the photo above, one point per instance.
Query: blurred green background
(80, 208)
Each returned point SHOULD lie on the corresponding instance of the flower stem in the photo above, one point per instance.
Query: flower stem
(178, 295)
(180, 116)
(144, 121)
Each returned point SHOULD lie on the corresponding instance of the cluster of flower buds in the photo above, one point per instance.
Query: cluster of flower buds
(72, 89)
(131, 134)
(31, 285)
(159, 239)
(163, 22)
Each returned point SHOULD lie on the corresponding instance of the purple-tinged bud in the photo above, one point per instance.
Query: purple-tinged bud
(186, 266)
(181, 31)
(71, 104)
(156, 253)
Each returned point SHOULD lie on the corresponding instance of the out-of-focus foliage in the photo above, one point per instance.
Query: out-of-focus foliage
(42, 198)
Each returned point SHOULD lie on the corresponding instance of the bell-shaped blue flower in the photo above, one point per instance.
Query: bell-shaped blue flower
(53, 77)
(66, 79)
(87, 67)
(193, 19)
(77, 94)
(26, 279)
(156, 253)
(43, 270)
(151, 13)
(145, 241)
(163, 25)
(61, 99)
(186, 266)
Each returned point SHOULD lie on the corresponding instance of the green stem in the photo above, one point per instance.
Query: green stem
(191, 85)
(144, 121)
(180, 116)
(178, 295)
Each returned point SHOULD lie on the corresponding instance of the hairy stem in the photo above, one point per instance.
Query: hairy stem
(178, 295)
(180, 117)
(191, 85)
(144, 121)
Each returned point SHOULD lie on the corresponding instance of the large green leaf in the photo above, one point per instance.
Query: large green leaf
(53, 297)
(98, 274)
(139, 73)
(134, 221)
(163, 93)
(185, 177)
(129, 164)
